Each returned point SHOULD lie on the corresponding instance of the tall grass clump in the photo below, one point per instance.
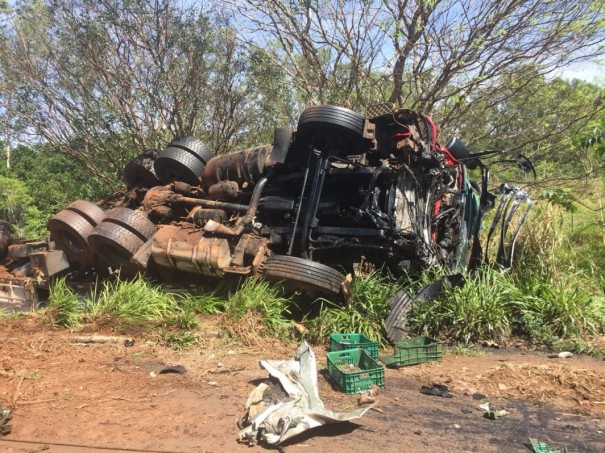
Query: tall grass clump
(479, 310)
(64, 308)
(561, 308)
(258, 308)
(136, 301)
(364, 313)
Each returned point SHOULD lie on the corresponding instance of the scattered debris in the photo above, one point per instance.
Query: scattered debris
(178, 369)
(288, 404)
(541, 447)
(5, 416)
(491, 344)
(561, 355)
(102, 339)
(129, 343)
(436, 390)
(492, 413)
(478, 396)
(152, 374)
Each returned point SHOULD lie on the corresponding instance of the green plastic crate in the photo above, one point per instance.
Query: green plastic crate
(346, 341)
(413, 351)
(368, 372)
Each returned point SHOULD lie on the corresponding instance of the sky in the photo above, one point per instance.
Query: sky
(589, 71)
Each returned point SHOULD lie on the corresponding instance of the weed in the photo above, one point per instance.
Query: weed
(461, 349)
(179, 340)
(210, 303)
(364, 313)
(64, 308)
(562, 309)
(263, 302)
(478, 310)
(136, 301)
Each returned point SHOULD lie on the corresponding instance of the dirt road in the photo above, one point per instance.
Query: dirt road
(72, 397)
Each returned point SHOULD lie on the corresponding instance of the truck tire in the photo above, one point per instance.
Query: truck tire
(183, 160)
(134, 221)
(71, 228)
(116, 245)
(139, 172)
(332, 117)
(119, 236)
(330, 128)
(193, 146)
(302, 274)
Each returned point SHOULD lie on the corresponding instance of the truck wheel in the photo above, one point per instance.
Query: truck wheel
(139, 172)
(119, 236)
(331, 117)
(304, 275)
(71, 228)
(331, 128)
(134, 221)
(183, 160)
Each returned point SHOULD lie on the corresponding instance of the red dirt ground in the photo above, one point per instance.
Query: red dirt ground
(76, 398)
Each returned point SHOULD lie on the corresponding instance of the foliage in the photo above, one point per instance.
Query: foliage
(136, 301)
(476, 311)
(17, 207)
(363, 313)
(493, 306)
(101, 80)
(258, 303)
(554, 308)
(52, 180)
(64, 308)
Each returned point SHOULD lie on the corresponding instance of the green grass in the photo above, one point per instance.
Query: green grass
(495, 306)
(179, 340)
(549, 309)
(363, 313)
(479, 310)
(64, 308)
(136, 301)
(259, 305)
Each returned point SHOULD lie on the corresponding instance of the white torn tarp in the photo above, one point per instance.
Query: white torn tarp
(277, 411)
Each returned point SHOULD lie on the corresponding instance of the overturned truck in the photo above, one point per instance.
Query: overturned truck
(341, 190)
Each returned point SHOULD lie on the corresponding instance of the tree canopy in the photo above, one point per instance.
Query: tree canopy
(99, 81)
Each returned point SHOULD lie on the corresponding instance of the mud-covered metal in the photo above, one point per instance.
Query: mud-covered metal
(186, 249)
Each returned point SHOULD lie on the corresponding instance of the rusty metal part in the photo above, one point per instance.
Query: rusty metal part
(142, 255)
(200, 216)
(243, 222)
(48, 263)
(186, 249)
(224, 190)
(242, 167)
(247, 250)
(18, 294)
(211, 204)
(23, 250)
(182, 187)
(5, 239)
(158, 196)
